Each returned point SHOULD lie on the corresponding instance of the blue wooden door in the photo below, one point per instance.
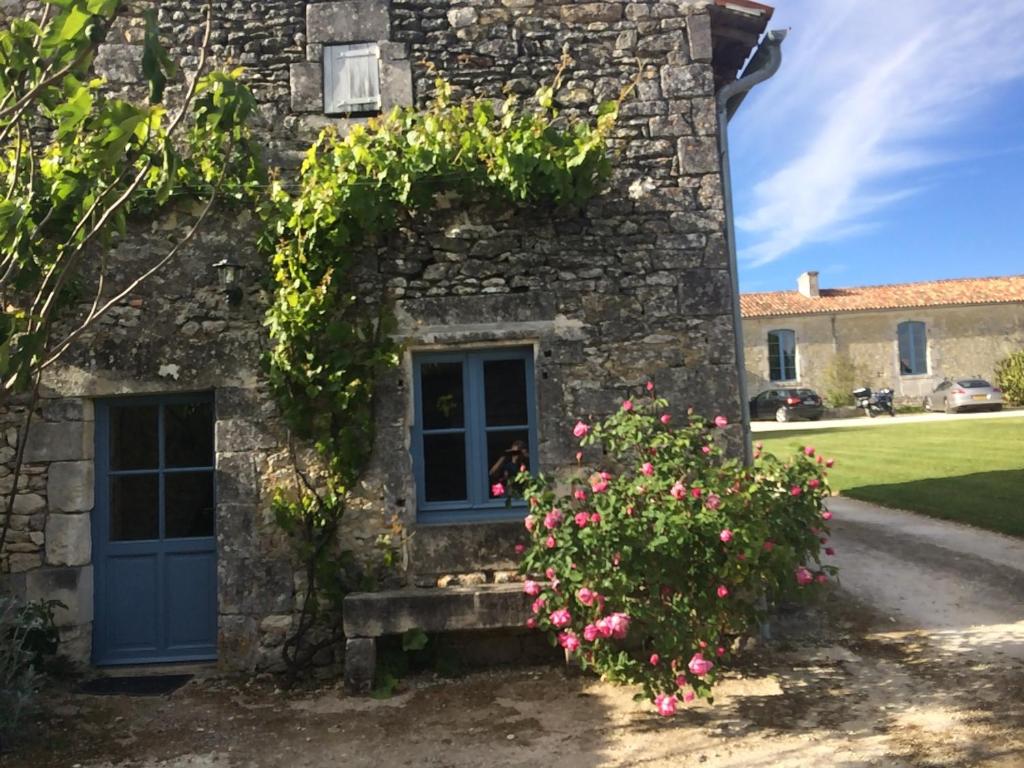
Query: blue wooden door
(154, 551)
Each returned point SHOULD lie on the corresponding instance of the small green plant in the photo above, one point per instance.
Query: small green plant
(842, 376)
(1010, 377)
(28, 636)
(670, 545)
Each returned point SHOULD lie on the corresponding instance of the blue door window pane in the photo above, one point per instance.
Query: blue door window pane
(913, 348)
(475, 426)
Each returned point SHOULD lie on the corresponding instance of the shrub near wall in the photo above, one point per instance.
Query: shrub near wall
(669, 550)
(1010, 377)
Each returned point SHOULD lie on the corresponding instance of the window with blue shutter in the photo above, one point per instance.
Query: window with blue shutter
(351, 79)
(781, 355)
(913, 348)
(475, 426)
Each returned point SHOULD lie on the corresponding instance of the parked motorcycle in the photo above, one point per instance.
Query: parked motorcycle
(875, 403)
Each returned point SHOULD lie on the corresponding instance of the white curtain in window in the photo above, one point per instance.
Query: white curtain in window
(351, 78)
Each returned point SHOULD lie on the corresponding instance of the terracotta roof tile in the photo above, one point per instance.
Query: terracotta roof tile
(936, 293)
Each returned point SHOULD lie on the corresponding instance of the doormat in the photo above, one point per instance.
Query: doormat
(140, 685)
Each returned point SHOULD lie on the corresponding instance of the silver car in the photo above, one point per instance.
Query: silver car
(956, 395)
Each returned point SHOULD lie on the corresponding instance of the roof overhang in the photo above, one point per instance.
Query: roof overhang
(736, 28)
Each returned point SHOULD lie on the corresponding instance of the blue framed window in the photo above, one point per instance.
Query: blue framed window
(781, 355)
(913, 344)
(475, 425)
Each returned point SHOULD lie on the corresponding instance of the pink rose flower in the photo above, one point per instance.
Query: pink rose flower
(595, 518)
(497, 489)
(813, 482)
(520, 548)
(721, 422)
(604, 627)
(809, 450)
(599, 486)
(796, 490)
(538, 605)
(821, 578)
(590, 633)
(725, 535)
(579, 456)
(580, 430)
(829, 551)
(553, 519)
(627, 406)
(696, 492)
(829, 462)
(647, 468)
(586, 596)
(618, 623)
(531, 587)
(655, 658)
(803, 576)
(550, 543)
(720, 651)
(629, 512)
(705, 449)
(678, 491)
(666, 418)
(665, 704)
(703, 644)
(529, 521)
(722, 591)
(569, 641)
(560, 618)
(826, 515)
(713, 501)
(650, 386)
(699, 666)
(579, 494)
(531, 623)
(688, 696)
(768, 546)
(582, 518)
(550, 573)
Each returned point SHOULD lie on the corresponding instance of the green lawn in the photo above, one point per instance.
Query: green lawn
(970, 471)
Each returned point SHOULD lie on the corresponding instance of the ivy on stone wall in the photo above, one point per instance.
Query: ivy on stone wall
(330, 337)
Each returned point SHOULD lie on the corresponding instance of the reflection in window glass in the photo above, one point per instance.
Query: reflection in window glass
(188, 504)
(445, 467)
(134, 437)
(441, 386)
(135, 507)
(188, 435)
(507, 451)
(505, 392)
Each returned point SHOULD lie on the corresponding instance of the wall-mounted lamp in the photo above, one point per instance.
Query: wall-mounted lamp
(229, 275)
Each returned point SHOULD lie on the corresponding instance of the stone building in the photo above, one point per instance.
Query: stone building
(145, 502)
(907, 336)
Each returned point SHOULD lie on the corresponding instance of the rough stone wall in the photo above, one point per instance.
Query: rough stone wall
(635, 285)
(962, 341)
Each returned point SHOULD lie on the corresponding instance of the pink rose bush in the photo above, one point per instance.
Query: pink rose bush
(663, 555)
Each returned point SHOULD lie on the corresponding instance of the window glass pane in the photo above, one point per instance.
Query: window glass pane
(781, 355)
(133, 437)
(507, 451)
(188, 432)
(505, 392)
(188, 504)
(441, 387)
(134, 507)
(444, 467)
(913, 348)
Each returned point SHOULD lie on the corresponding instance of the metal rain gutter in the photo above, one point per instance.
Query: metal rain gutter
(763, 65)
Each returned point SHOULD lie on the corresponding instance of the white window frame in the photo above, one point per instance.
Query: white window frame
(334, 58)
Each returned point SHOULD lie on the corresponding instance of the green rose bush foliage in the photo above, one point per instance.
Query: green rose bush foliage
(648, 569)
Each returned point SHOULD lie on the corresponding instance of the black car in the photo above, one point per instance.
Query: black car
(787, 404)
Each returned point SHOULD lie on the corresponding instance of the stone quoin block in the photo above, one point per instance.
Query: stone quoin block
(69, 486)
(68, 539)
(347, 21)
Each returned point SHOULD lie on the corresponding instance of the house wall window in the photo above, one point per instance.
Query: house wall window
(782, 355)
(352, 79)
(913, 348)
(475, 425)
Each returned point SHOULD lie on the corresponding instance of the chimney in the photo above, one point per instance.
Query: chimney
(807, 285)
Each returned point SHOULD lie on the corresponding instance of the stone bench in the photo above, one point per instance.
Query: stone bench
(369, 615)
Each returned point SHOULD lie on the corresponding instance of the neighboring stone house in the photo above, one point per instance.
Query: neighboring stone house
(145, 502)
(907, 336)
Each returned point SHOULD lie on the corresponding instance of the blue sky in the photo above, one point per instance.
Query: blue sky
(888, 148)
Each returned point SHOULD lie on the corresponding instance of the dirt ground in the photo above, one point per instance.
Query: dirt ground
(932, 675)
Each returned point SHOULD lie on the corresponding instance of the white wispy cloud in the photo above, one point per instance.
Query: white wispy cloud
(870, 94)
